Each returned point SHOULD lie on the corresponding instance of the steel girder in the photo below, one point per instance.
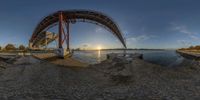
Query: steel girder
(79, 16)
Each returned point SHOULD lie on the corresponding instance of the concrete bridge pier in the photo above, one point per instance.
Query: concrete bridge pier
(62, 52)
(63, 37)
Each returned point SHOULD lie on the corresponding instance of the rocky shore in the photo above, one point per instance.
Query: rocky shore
(27, 78)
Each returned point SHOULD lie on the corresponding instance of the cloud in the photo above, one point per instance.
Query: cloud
(184, 42)
(194, 37)
(181, 28)
(141, 38)
(185, 30)
(85, 45)
(99, 29)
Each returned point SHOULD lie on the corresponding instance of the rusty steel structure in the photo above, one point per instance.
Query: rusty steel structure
(63, 20)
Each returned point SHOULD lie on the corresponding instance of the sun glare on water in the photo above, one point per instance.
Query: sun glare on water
(99, 53)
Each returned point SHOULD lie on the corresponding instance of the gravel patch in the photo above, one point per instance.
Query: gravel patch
(30, 79)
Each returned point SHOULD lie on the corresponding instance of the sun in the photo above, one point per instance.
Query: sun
(99, 47)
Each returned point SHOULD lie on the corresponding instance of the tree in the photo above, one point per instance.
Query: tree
(0, 47)
(10, 47)
(22, 47)
(197, 47)
(191, 47)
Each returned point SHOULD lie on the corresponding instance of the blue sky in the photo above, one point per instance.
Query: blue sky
(144, 23)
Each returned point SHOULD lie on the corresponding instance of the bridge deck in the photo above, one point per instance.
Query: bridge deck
(44, 38)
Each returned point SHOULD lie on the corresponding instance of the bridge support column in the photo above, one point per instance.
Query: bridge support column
(60, 30)
(62, 52)
(68, 35)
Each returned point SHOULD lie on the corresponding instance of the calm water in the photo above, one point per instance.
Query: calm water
(161, 57)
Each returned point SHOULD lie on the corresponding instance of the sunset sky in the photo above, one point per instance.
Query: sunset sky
(144, 23)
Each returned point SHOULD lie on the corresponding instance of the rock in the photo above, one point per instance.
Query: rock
(119, 71)
(12, 60)
(3, 65)
(120, 78)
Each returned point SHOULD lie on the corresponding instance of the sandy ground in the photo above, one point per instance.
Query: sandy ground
(53, 58)
(27, 78)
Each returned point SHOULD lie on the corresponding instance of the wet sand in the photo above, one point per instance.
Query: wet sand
(27, 78)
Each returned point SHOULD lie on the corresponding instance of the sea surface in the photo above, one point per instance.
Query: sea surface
(160, 57)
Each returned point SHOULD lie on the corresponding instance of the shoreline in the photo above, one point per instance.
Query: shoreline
(189, 54)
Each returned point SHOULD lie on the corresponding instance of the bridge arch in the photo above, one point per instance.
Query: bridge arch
(72, 16)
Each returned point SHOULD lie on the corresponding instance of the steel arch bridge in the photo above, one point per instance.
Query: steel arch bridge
(63, 20)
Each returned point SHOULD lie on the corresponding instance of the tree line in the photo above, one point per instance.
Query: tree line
(191, 48)
(11, 47)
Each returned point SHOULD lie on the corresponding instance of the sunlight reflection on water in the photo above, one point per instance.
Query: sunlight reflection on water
(99, 56)
(162, 57)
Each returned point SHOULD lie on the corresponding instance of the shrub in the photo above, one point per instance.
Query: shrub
(22, 47)
(10, 47)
